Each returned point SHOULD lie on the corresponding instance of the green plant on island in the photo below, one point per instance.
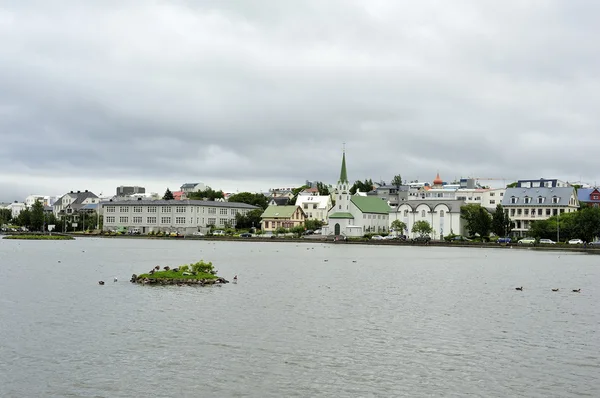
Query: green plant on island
(39, 237)
(198, 270)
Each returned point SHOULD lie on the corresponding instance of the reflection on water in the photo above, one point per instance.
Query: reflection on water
(370, 321)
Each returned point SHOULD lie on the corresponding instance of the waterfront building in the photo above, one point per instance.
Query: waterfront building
(315, 207)
(282, 217)
(533, 200)
(182, 216)
(355, 215)
(72, 202)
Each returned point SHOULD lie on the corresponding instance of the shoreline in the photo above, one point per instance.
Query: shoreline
(476, 245)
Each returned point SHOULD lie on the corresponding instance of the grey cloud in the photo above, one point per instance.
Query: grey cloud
(267, 91)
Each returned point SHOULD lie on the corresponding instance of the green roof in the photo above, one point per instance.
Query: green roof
(343, 174)
(279, 211)
(368, 204)
(341, 215)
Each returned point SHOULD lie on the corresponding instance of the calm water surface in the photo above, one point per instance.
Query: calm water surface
(369, 321)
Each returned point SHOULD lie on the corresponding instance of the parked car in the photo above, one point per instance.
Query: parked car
(547, 241)
(421, 239)
(390, 237)
(595, 243)
(461, 238)
(376, 237)
(198, 233)
(317, 232)
(308, 232)
(526, 241)
(576, 242)
(219, 232)
(504, 240)
(246, 235)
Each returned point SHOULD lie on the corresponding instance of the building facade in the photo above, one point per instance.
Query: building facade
(184, 217)
(534, 200)
(129, 190)
(73, 201)
(287, 217)
(442, 215)
(315, 207)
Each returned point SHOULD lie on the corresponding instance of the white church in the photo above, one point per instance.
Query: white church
(355, 215)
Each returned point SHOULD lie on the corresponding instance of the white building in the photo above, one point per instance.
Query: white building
(43, 199)
(183, 216)
(16, 208)
(71, 202)
(354, 215)
(533, 200)
(315, 207)
(192, 187)
(442, 215)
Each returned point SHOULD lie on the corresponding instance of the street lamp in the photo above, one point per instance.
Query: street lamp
(557, 225)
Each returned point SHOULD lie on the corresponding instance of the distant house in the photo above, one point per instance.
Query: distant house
(192, 187)
(179, 195)
(16, 208)
(72, 202)
(278, 201)
(282, 217)
(316, 207)
(589, 196)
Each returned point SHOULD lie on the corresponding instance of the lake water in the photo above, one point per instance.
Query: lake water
(305, 320)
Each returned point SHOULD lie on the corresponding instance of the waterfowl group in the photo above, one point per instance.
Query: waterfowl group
(553, 289)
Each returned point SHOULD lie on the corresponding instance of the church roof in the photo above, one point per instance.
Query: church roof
(343, 173)
(370, 204)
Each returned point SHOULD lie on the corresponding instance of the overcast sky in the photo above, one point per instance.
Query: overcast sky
(250, 95)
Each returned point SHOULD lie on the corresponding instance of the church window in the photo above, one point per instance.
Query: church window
(339, 207)
(405, 213)
(340, 197)
(441, 213)
(422, 213)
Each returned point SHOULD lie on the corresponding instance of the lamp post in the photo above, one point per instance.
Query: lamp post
(557, 225)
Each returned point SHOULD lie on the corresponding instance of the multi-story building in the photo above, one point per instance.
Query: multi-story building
(192, 187)
(533, 200)
(184, 216)
(16, 208)
(72, 202)
(442, 215)
(589, 196)
(315, 207)
(44, 200)
(129, 190)
(287, 217)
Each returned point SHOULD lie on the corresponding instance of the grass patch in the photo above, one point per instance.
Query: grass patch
(39, 237)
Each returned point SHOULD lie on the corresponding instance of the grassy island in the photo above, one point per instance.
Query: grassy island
(39, 237)
(200, 273)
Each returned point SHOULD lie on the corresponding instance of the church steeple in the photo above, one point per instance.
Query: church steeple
(343, 174)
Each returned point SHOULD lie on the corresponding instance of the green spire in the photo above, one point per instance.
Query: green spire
(343, 175)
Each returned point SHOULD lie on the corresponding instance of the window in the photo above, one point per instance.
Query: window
(165, 209)
(123, 209)
(165, 220)
(306, 205)
(562, 211)
(151, 209)
(441, 213)
(527, 200)
(137, 220)
(539, 212)
(211, 221)
(314, 206)
(405, 213)
(501, 193)
(513, 199)
(180, 209)
(234, 212)
(123, 219)
(223, 212)
(492, 194)
(555, 199)
(222, 221)
(422, 213)
(512, 212)
(492, 202)
(110, 219)
(137, 209)
(548, 212)
(179, 220)
(212, 210)
(150, 220)
(518, 212)
(526, 211)
(540, 200)
(110, 209)
(554, 212)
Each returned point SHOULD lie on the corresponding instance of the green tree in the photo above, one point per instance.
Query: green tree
(248, 220)
(297, 230)
(397, 182)
(254, 199)
(295, 192)
(422, 228)
(208, 194)
(501, 224)
(512, 185)
(323, 189)
(366, 186)
(168, 195)
(399, 226)
(37, 216)
(313, 224)
(477, 219)
(24, 218)
(5, 216)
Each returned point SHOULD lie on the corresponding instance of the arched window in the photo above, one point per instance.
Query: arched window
(405, 213)
(441, 213)
(422, 213)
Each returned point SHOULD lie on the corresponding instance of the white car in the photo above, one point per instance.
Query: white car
(219, 232)
(576, 242)
(377, 237)
(317, 232)
(548, 241)
(198, 233)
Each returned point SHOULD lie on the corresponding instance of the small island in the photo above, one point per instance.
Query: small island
(200, 273)
(38, 237)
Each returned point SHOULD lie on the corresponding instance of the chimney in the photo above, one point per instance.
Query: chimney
(78, 191)
(71, 191)
(139, 198)
(86, 190)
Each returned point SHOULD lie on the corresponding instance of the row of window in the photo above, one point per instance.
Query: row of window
(374, 216)
(164, 220)
(314, 206)
(527, 199)
(534, 212)
(178, 209)
(424, 213)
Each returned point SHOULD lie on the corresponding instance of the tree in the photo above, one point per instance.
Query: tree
(397, 182)
(5, 216)
(323, 189)
(254, 199)
(249, 220)
(313, 224)
(24, 218)
(295, 192)
(501, 224)
(168, 195)
(512, 185)
(297, 230)
(477, 219)
(366, 186)
(422, 228)
(399, 226)
(37, 216)
(208, 194)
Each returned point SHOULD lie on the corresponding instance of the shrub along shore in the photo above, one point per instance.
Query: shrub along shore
(39, 237)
